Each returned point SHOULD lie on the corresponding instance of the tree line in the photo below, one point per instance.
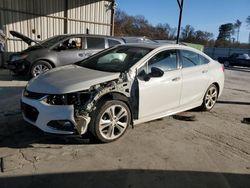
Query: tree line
(126, 25)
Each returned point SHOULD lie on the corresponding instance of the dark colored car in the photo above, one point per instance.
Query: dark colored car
(236, 59)
(57, 51)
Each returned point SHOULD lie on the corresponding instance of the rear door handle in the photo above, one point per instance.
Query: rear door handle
(176, 79)
(204, 71)
(80, 54)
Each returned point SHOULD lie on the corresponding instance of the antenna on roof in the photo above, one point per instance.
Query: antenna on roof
(180, 3)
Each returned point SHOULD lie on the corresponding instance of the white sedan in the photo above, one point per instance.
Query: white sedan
(123, 85)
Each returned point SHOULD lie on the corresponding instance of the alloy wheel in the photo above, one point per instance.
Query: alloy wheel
(113, 122)
(211, 97)
(39, 69)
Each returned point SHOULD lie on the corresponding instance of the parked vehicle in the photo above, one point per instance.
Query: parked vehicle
(236, 59)
(123, 85)
(57, 51)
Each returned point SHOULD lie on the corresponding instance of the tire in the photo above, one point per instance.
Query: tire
(39, 68)
(105, 125)
(210, 98)
(226, 64)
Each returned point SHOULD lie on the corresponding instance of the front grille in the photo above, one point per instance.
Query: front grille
(29, 112)
(33, 95)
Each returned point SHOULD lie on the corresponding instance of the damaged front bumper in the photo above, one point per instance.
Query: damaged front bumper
(55, 119)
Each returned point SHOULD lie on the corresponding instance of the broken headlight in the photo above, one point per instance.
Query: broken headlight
(77, 98)
(56, 99)
(33, 95)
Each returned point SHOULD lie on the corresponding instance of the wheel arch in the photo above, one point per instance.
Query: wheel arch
(217, 86)
(118, 96)
(46, 60)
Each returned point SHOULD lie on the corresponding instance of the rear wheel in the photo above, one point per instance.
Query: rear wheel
(110, 120)
(39, 68)
(210, 98)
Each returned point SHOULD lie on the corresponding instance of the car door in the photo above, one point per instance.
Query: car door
(159, 95)
(241, 60)
(70, 51)
(195, 77)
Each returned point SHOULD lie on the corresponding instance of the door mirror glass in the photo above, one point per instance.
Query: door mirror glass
(61, 46)
(156, 72)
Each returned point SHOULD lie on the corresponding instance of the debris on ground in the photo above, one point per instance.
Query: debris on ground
(246, 120)
(184, 116)
(1, 164)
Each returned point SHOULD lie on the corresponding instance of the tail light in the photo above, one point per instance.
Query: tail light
(222, 67)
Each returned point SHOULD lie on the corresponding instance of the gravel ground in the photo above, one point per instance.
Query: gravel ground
(213, 150)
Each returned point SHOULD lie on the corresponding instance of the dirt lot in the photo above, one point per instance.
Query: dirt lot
(212, 151)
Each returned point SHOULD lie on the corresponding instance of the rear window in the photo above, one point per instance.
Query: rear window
(113, 42)
(95, 43)
(191, 59)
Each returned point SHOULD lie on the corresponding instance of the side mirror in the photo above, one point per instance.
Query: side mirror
(61, 47)
(156, 72)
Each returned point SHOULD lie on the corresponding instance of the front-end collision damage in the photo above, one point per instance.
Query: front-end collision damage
(83, 108)
(82, 123)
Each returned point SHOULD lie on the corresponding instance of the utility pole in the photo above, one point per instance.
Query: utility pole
(180, 3)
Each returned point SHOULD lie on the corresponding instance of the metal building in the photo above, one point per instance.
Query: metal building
(41, 19)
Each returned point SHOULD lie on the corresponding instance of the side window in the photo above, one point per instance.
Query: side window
(113, 42)
(203, 60)
(234, 55)
(191, 59)
(95, 43)
(166, 61)
(72, 43)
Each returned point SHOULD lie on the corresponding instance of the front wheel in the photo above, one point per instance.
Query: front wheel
(210, 98)
(39, 68)
(111, 120)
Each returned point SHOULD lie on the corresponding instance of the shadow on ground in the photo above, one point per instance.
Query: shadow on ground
(130, 179)
(24, 135)
(233, 102)
(7, 75)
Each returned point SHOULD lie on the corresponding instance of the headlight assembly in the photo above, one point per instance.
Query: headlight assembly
(77, 98)
(18, 57)
(56, 99)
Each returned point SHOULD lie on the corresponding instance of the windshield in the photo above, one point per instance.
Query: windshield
(116, 59)
(53, 40)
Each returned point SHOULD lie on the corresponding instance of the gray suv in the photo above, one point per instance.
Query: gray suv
(57, 51)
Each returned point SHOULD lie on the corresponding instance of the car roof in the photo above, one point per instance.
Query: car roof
(151, 45)
(86, 35)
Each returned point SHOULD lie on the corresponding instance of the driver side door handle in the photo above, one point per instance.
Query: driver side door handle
(176, 79)
(80, 54)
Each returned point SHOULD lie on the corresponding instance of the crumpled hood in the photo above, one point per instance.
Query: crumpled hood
(68, 79)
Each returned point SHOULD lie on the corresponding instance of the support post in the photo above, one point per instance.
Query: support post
(112, 29)
(180, 18)
(66, 16)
